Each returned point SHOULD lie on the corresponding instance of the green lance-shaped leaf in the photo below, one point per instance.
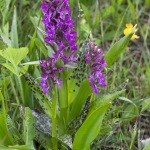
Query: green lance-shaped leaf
(14, 55)
(5, 38)
(87, 15)
(43, 99)
(66, 141)
(70, 89)
(4, 7)
(132, 9)
(77, 76)
(131, 111)
(47, 142)
(31, 63)
(105, 99)
(118, 48)
(29, 131)
(43, 140)
(43, 134)
(13, 130)
(77, 95)
(89, 129)
(80, 99)
(78, 121)
(43, 125)
(5, 136)
(145, 104)
(14, 33)
(41, 46)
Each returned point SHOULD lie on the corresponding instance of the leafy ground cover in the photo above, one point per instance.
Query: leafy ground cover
(118, 117)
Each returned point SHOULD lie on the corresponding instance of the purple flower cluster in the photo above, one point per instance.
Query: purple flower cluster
(59, 31)
(59, 28)
(94, 57)
(50, 74)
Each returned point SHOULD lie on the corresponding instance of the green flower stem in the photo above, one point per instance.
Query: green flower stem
(63, 98)
(63, 92)
(54, 105)
(54, 109)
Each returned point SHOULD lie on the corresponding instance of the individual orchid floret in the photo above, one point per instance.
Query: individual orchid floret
(94, 58)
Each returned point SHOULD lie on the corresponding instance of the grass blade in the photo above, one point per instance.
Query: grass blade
(14, 33)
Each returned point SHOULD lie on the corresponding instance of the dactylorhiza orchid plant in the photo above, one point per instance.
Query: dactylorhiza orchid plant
(69, 73)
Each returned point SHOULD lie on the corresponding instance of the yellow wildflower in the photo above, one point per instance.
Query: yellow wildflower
(128, 30)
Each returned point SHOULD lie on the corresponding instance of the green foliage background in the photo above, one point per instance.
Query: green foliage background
(102, 20)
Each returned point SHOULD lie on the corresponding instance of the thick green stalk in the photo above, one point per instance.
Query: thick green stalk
(63, 92)
(54, 109)
(63, 99)
(54, 105)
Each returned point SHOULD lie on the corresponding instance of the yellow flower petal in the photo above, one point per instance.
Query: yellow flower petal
(128, 30)
(129, 25)
(134, 37)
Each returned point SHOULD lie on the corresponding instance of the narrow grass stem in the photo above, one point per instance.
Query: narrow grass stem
(119, 27)
(6, 95)
(21, 90)
(101, 22)
(14, 91)
(10, 10)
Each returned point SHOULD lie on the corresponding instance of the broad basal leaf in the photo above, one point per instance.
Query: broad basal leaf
(43, 99)
(28, 127)
(89, 129)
